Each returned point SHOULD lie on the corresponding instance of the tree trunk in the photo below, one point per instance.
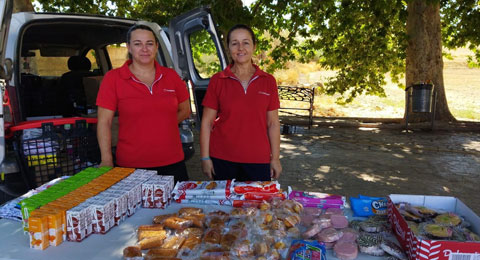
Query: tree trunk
(424, 61)
(22, 6)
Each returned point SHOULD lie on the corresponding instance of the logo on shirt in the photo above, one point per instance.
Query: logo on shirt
(263, 93)
(168, 90)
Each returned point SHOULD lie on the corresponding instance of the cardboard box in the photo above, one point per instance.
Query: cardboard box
(418, 249)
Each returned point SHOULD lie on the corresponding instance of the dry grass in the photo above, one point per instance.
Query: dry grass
(462, 87)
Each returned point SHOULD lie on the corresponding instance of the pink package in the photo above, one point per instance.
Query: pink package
(317, 199)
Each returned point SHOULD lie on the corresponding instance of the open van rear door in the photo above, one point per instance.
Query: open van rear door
(6, 8)
(197, 51)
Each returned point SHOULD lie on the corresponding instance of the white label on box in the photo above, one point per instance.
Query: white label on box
(463, 256)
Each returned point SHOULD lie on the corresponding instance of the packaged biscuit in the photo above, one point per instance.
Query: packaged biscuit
(256, 186)
(223, 188)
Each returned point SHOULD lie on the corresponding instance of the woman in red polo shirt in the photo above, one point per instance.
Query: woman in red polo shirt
(240, 130)
(151, 101)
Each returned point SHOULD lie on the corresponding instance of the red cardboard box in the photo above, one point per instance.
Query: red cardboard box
(418, 249)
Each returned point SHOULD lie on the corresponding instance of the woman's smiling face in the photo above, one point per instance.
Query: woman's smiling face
(241, 46)
(142, 46)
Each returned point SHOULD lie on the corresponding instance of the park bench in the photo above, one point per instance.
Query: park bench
(298, 94)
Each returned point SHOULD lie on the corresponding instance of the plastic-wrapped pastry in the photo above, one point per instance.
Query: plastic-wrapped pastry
(141, 234)
(228, 239)
(312, 231)
(329, 235)
(393, 249)
(160, 218)
(191, 242)
(191, 231)
(189, 211)
(437, 231)
(173, 242)
(157, 253)
(292, 220)
(278, 225)
(324, 221)
(150, 242)
(215, 253)
(212, 236)
(132, 253)
(279, 245)
(346, 250)
(198, 220)
(219, 213)
(339, 221)
(216, 222)
(243, 249)
(450, 219)
(177, 223)
(260, 248)
(238, 212)
(293, 232)
(264, 206)
(370, 244)
(349, 235)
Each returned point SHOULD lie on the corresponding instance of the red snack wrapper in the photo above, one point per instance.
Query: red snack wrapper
(256, 186)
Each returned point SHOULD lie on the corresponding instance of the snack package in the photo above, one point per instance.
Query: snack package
(365, 206)
(202, 189)
(303, 250)
(317, 199)
(256, 186)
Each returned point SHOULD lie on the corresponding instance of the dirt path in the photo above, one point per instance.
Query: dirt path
(350, 161)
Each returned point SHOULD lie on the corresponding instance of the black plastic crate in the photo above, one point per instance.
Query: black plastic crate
(59, 147)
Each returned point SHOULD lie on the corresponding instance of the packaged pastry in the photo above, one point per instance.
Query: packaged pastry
(189, 211)
(160, 218)
(183, 188)
(132, 253)
(173, 242)
(177, 223)
(198, 220)
(192, 232)
(191, 242)
(256, 186)
(216, 222)
(260, 248)
(157, 253)
(215, 253)
(224, 202)
(212, 236)
(228, 239)
(263, 196)
(450, 219)
(141, 234)
(150, 242)
(243, 249)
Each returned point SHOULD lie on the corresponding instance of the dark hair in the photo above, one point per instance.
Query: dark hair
(244, 27)
(139, 27)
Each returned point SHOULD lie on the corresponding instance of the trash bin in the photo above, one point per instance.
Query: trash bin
(422, 98)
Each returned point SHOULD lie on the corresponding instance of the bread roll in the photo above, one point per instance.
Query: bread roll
(177, 223)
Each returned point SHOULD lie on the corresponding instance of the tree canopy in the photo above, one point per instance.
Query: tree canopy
(361, 40)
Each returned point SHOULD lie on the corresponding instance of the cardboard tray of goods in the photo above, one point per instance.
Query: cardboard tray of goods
(422, 249)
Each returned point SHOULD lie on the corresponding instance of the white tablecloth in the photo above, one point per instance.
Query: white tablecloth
(14, 243)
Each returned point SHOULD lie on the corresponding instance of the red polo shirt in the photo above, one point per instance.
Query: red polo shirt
(148, 134)
(240, 132)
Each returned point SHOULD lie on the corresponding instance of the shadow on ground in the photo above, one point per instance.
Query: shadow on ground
(352, 160)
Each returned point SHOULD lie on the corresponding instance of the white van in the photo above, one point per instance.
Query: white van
(51, 66)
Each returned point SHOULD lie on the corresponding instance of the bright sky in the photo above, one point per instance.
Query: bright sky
(247, 2)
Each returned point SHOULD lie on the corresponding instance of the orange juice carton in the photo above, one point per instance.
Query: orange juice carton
(38, 231)
(55, 228)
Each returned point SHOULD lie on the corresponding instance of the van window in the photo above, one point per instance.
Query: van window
(118, 54)
(204, 54)
(91, 55)
(35, 63)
